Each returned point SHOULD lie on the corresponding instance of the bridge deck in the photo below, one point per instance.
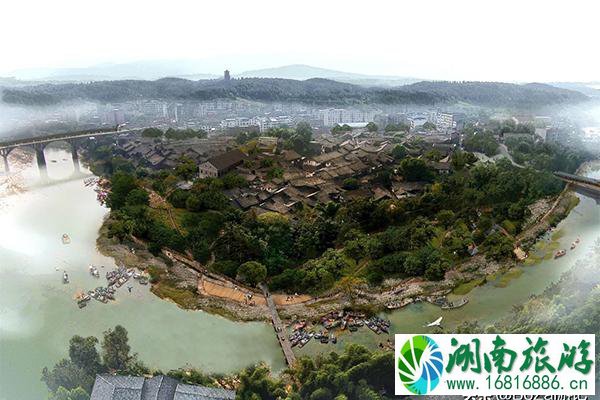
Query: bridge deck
(282, 335)
(577, 178)
(62, 136)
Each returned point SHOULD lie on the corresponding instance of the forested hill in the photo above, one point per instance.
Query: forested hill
(498, 93)
(311, 91)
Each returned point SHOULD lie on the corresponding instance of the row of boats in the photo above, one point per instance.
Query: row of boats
(301, 338)
(441, 301)
(562, 252)
(101, 187)
(342, 320)
(102, 294)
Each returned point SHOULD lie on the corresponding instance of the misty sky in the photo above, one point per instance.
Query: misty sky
(524, 40)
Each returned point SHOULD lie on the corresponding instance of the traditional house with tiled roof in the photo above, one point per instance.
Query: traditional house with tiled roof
(118, 387)
(219, 165)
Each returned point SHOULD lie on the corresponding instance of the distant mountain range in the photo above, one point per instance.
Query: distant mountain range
(315, 91)
(591, 89)
(193, 70)
(144, 70)
(197, 70)
(303, 72)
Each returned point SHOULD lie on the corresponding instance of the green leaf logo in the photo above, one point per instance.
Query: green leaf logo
(420, 364)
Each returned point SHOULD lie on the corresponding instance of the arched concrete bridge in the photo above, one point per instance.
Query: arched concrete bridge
(39, 143)
(587, 186)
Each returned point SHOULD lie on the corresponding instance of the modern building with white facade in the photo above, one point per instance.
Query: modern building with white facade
(338, 116)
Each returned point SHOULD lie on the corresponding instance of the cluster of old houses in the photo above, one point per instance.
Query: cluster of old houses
(158, 154)
(301, 179)
(312, 179)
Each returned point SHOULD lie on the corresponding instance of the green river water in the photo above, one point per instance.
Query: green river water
(38, 315)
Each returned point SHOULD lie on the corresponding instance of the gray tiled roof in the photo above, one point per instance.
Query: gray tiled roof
(159, 388)
(191, 392)
(117, 387)
(109, 387)
(227, 160)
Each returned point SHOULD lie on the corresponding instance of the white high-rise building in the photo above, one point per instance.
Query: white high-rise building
(335, 116)
(444, 121)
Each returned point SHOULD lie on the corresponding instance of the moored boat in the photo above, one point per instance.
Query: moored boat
(560, 253)
(450, 305)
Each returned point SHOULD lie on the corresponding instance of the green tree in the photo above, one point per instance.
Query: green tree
(429, 126)
(74, 394)
(415, 169)
(137, 197)
(121, 184)
(338, 129)
(300, 139)
(68, 375)
(152, 133)
(267, 162)
(350, 184)
(372, 127)
(252, 273)
(400, 127)
(399, 152)
(225, 267)
(186, 168)
(115, 349)
(83, 354)
(497, 246)
(257, 384)
(481, 142)
(461, 159)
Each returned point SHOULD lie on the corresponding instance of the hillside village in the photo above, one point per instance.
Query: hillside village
(340, 167)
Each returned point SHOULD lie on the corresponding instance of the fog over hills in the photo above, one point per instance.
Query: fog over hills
(145, 70)
(198, 70)
(212, 69)
(303, 72)
(315, 91)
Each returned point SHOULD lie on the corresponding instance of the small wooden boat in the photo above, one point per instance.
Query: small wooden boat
(65, 277)
(560, 253)
(450, 305)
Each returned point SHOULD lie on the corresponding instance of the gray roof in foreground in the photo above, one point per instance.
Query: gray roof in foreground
(118, 387)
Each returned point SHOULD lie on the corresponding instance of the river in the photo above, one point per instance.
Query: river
(38, 315)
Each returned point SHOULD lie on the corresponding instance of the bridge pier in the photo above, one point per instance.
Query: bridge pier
(4, 153)
(41, 160)
(75, 156)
